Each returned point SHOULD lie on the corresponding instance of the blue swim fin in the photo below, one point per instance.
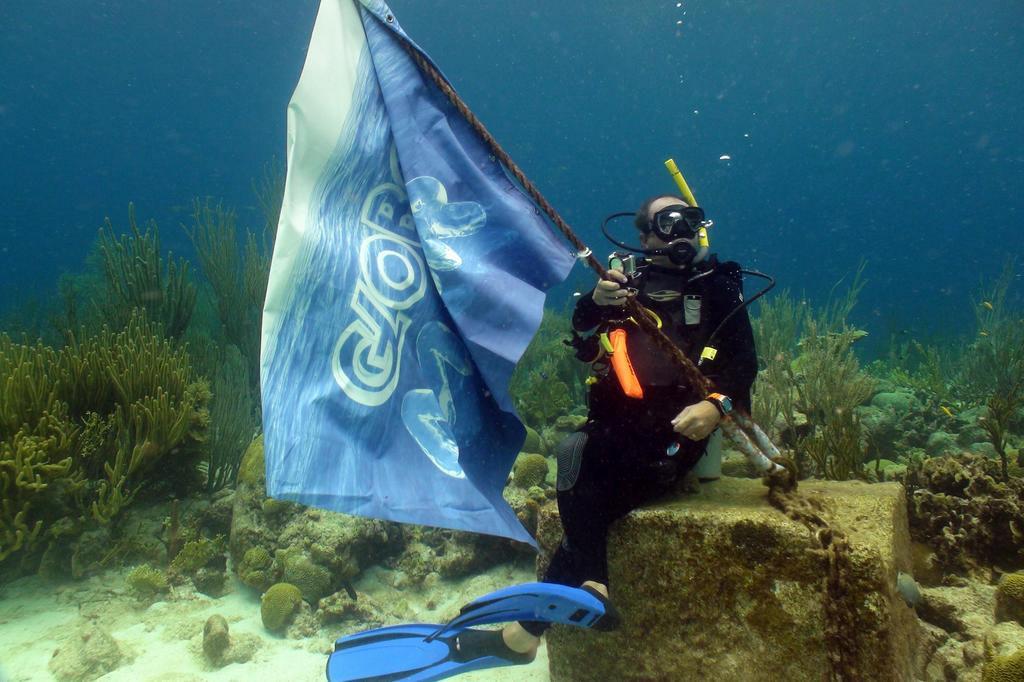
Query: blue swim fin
(545, 602)
(405, 652)
(432, 652)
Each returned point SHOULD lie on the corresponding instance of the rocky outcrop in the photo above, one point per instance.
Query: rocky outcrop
(320, 551)
(88, 653)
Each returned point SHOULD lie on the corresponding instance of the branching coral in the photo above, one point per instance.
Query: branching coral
(776, 331)
(818, 377)
(232, 423)
(137, 279)
(81, 428)
(925, 369)
(827, 376)
(993, 373)
(835, 449)
(29, 467)
(269, 191)
(238, 278)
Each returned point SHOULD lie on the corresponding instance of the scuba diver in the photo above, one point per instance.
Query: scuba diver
(645, 429)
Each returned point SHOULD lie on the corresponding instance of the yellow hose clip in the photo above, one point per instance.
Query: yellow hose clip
(651, 314)
(605, 343)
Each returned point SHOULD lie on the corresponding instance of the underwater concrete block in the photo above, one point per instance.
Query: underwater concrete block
(720, 585)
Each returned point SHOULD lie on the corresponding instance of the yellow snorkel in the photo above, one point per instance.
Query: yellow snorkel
(684, 189)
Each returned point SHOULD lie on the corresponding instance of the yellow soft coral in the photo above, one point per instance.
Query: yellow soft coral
(83, 428)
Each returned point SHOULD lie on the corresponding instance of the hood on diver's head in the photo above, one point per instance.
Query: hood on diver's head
(684, 250)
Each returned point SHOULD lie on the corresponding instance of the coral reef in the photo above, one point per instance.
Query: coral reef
(449, 553)
(87, 428)
(533, 442)
(777, 332)
(829, 385)
(233, 409)
(216, 638)
(197, 554)
(527, 504)
(202, 561)
(960, 507)
(337, 545)
(364, 612)
(835, 449)
(811, 383)
(563, 426)
(221, 648)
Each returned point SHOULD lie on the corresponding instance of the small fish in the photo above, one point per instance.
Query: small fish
(908, 589)
(948, 412)
(983, 333)
(350, 589)
(987, 305)
(724, 157)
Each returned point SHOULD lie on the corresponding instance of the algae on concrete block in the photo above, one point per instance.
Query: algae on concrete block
(719, 585)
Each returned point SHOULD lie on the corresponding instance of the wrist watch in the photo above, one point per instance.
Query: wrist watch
(722, 402)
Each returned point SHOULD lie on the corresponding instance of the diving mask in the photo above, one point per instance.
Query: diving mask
(677, 222)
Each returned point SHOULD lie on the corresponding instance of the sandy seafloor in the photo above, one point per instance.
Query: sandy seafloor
(164, 640)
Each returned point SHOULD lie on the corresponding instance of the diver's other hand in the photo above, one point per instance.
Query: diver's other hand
(697, 421)
(609, 291)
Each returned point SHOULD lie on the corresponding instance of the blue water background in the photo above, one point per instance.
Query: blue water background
(886, 130)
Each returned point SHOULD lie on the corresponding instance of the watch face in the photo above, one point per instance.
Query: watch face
(726, 404)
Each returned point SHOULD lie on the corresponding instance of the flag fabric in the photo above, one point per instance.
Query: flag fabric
(408, 277)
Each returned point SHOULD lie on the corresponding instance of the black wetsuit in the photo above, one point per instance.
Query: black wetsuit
(620, 458)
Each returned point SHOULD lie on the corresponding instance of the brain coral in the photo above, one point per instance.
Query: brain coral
(312, 580)
(278, 605)
(530, 470)
(1005, 668)
(1010, 597)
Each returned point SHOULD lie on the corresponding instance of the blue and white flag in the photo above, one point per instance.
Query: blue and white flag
(408, 277)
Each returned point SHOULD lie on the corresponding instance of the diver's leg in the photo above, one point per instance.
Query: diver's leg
(586, 510)
(519, 640)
